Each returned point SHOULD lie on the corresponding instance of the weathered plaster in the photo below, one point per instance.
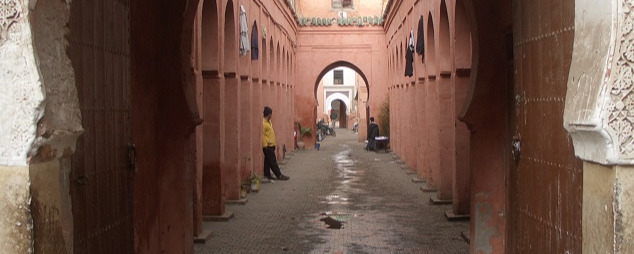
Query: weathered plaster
(484, 230)
(607, 209)
(16, 225)
(599, 112)
(21, 91)
(624, 210)
(51, 209)
(61, 123)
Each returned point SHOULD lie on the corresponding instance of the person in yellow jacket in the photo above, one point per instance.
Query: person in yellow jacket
(268, 147)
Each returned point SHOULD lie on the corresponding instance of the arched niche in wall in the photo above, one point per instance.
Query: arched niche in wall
(230, 45)
(287, 68)
(283, 65)
(462, 51)
(401, 60)
(209, 39)
(264, 54)
(444, 42)
(255, 52)
(430, 46)
(277, 62)
(270, 68)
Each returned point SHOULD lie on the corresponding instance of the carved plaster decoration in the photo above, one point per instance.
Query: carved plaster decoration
(620, 108)
(9, 14)
(599, 111)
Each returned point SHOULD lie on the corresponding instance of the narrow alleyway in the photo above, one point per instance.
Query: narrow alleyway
(340, 199)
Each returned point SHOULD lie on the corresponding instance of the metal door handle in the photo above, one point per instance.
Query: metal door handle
(82, 180)
(516, 148)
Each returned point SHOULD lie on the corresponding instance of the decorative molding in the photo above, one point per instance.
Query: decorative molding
(9, 14)
(599, 106)
(620, 106)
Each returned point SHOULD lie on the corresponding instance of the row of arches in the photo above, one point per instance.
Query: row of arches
(514, 167)
(275, 50)
(233, 88)
(426, 105)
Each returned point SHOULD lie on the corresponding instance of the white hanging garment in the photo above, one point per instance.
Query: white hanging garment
(244, 32)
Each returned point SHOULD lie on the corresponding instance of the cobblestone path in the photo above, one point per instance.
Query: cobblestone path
(341, 199)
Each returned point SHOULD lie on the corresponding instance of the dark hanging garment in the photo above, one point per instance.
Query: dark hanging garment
(254, 43)
(420, 41)
(409, 58)
(409, 55)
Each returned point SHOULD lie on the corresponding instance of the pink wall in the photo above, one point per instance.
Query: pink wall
(361, 48)
(322, 9)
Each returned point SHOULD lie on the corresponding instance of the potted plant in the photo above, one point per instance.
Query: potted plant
(304, 132)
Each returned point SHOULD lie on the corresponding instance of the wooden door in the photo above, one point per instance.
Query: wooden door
(546, 183)
(103, 165)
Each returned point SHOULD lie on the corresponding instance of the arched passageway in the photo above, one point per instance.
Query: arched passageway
(339, 107)
(509, 77)
(341, 87)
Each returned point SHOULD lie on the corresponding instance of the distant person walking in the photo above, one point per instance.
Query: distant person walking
(333, 117)
(268, 147)
(373, 132)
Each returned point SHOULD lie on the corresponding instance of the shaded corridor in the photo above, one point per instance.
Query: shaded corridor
(368, 195)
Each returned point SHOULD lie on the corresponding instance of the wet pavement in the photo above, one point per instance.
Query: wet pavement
(340, 199)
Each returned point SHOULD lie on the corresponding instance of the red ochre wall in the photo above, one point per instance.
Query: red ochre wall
(425, 129)
(235, 90)
(319, 49)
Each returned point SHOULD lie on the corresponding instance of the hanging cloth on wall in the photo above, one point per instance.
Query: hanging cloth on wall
(254, 43)
(409, 55)
(244, 37)
(420, 41)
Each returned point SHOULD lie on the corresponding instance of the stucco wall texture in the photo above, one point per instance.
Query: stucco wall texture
(21, 100)
(22, 93)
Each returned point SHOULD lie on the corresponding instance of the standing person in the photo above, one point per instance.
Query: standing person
(333, 117)
(268, 147)
(373, 132)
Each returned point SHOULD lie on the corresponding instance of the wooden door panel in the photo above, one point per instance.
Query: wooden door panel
(545, 198)
(101, 189)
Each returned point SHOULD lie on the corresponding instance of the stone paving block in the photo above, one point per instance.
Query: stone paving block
(427, 189)
(417, 180)
(225, 217)
(203, 236)
(451, 216)
(437, 201)
(242, 201)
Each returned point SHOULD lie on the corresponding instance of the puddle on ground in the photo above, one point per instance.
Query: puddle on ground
(335, 199)
(335, 220)
(332, 223)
